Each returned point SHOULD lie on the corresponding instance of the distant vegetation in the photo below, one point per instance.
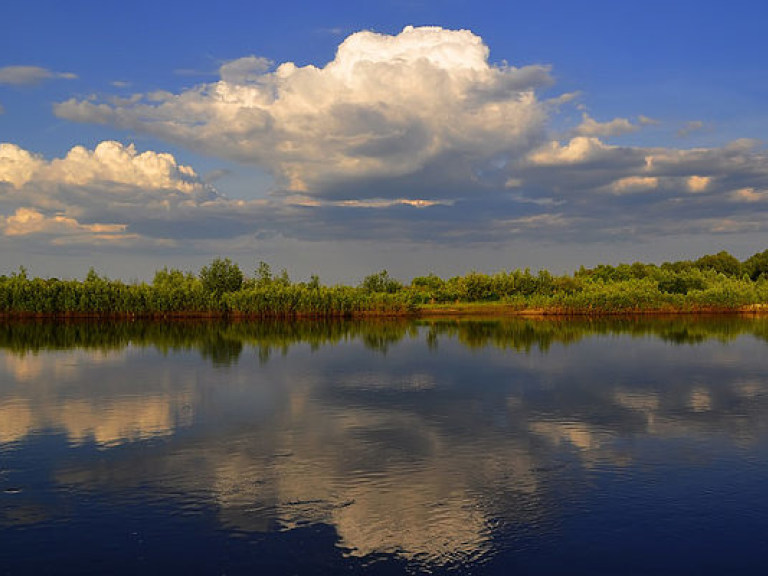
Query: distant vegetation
(716, 282)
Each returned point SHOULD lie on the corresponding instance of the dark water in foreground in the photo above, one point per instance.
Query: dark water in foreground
(483, 447)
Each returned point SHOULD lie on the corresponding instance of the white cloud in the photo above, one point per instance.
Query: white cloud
(25, 75)
(244, 70)
(698, 183)
(384, 203)
(742, 157)
(385, 106)
(591, 127)
(415, 137)
(98, 196)
(17, 166)
(27, 221)
(579, 150)
(304, 200)
(632, 184)
(110, 162)
(749, 195)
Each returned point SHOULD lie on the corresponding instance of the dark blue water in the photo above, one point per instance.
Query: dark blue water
(493, 447)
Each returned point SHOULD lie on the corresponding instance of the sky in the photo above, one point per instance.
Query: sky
(406, 135)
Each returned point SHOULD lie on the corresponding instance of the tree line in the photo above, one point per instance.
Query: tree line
(715, 282)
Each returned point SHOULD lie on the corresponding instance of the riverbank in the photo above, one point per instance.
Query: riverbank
(461, 309)
(711, 285)
(498, 309)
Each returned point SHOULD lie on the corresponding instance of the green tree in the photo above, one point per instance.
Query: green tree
(757, 265)
(221, 276)
(381, 282)
(263, 274)
(682, 283)
(722, 263)
(431, 282)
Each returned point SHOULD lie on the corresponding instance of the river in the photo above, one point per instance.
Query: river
(483, 446)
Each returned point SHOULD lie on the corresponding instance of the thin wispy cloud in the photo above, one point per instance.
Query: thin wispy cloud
(646, 121)
(690, 128)
(335, 31)
(30, 75)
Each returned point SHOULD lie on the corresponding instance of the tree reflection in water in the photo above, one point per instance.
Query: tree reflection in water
(441, 443)
(223, 342)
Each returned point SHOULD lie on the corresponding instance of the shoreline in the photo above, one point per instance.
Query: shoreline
(469, 309)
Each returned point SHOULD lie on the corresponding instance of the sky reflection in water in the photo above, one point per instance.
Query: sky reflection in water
(592, 446)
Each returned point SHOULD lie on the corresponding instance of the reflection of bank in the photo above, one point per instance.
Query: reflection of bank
(220, 341)
(224, 343)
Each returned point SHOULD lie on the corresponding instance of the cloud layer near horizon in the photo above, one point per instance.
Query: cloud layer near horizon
(66, 199)
(415, 137)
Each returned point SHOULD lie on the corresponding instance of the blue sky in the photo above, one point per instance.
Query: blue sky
(548, 135)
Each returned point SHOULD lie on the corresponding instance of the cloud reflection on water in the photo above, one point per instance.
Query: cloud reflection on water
(422, 452)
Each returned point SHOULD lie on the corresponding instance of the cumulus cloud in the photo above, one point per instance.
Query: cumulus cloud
(110, 162)
(28, 221)
(635, 184)
(555, 193)
(93, 195)
(244, 70)
(591, 127)
(17, 165)
(414, 137)
(384, 106)
(698, 183)
(749, 195)
(655, 191)
(579, 150)
(25, 75)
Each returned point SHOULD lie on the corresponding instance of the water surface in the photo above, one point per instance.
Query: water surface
(631, 446)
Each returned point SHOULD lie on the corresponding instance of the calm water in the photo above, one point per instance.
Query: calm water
(483, 447)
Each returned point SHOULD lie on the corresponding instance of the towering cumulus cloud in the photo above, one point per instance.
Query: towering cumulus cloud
(385, 106)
